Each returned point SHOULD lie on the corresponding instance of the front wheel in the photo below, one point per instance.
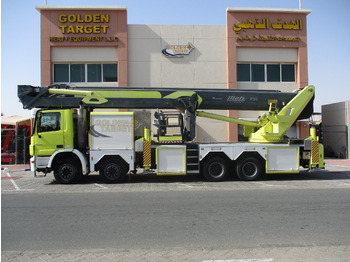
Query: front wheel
(113, 171)
(249, 169)
(215, 169)
(67, 171)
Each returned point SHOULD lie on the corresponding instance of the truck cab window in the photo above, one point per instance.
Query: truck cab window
(49, 122)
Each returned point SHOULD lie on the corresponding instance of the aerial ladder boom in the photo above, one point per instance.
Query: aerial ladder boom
(269, 128)
(63, 96)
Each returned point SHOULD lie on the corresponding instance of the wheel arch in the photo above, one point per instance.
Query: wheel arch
(74, 154)
(247, 154)
(211, 155)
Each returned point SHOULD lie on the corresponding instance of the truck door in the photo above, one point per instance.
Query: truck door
(49, 134)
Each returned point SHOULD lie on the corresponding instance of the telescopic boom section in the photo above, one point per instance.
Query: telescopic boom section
(283, 108)
(62, 96)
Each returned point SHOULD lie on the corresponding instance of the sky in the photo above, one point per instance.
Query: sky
(327, 28)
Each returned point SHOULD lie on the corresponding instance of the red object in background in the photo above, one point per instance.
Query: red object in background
(8, 143)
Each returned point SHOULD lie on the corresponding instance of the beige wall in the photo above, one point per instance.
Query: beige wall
(204, 67)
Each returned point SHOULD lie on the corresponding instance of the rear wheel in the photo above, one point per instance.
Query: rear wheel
(215, 169)
(249, 169)
(113, 171)
(67, 171)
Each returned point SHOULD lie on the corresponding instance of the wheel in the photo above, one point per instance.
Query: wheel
(67, 171)
(215, 169)
(113, 171)
(249, 169)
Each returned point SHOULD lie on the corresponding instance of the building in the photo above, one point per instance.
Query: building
(336, 129)
(256, 49)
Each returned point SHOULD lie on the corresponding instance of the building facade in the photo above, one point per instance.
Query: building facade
(256, 49)
(336, 129)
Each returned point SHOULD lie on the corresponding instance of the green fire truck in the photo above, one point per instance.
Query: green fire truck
(74, 133)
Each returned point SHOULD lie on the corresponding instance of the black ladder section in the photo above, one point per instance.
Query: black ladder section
(192, 158)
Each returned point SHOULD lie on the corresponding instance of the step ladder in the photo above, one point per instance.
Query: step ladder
(192, 159)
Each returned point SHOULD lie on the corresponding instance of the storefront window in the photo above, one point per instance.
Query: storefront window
(77, 73)
(288, 73)
(243, 72)
(94, 73)
(258, 73)
(110, 73)
(266, 72)
(273, 73)
(61, 73)
(81, 73)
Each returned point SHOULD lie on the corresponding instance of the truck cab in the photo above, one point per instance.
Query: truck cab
(53, 142)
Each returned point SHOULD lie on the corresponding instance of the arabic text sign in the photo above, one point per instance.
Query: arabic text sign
(265, 24)
(268, 38)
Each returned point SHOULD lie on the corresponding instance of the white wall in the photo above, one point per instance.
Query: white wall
(84, 54)
(272, 55)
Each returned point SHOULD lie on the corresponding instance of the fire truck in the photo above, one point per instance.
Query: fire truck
(75, 133)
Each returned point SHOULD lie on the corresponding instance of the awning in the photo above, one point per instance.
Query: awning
(13, 120)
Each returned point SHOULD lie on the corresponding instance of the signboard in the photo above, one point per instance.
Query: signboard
(177, 50)
(83, 28)
(265, 24)
(272, 26)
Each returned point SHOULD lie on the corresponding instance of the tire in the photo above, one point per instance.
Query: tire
(113, 171)
(215, 169)
(67, 171)
(249, 169)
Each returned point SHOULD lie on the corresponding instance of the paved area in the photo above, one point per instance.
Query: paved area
(245, 254)
(338, 162)
(16, 181)
(337, 176)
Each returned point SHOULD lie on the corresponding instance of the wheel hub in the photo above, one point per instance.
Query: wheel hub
(67, 172)
(249, 169)
(113, 171)
(216, 169)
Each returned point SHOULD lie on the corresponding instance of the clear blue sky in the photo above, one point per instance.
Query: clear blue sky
(327, 25)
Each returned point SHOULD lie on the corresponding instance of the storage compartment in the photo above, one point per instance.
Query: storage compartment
(171, 160)
(282, 159)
